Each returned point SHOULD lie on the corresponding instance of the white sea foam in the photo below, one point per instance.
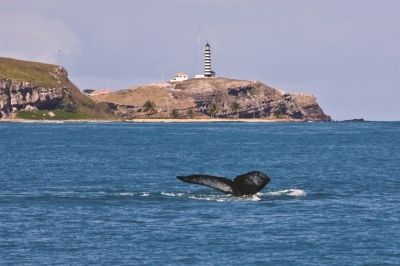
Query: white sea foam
(293, 192)
(171, 194)
(125, 194)
(218, 198)
(255, 198)
(203, 198)
(224, 198)
(141, 194)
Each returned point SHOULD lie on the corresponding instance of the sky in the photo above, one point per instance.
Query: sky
(346, 53)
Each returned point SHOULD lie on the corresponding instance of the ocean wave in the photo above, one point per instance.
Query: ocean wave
(211, 197)
(155, 195)
(293, 192)
(172, 194)
(140, 194)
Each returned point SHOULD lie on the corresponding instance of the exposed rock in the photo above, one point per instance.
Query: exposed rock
(214, 97)
(31, 86)
(30, 108)
(15, 96)
(51, 114)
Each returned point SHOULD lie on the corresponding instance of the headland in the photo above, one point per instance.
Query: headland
(43, 92)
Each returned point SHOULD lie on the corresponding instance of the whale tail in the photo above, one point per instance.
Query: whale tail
(219, 183)
(250, 183)
(243, 185)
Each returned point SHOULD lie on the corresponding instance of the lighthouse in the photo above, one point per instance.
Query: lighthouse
(207, 62)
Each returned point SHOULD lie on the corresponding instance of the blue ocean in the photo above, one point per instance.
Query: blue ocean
(107, 194)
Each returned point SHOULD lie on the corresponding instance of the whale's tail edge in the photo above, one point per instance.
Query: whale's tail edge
(219, 183)
(243, 185)
(252, 182)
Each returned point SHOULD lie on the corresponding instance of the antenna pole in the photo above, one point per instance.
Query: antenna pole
(199, 54)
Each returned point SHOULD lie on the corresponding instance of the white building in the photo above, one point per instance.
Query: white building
(180, 76)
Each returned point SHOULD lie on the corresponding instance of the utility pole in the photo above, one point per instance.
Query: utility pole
(199, 54)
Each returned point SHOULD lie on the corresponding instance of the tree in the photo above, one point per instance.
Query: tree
(175, 113)
(190, 113)
(235, 107)
(149, 107)
(88, 91)
(213, 109)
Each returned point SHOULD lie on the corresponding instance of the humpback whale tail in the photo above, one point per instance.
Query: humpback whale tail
(243, 185)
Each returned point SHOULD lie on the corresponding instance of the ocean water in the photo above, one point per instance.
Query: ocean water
(94, 194)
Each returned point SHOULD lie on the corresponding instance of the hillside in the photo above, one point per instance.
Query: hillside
(29, 87)
(34, 90)
(213, 97)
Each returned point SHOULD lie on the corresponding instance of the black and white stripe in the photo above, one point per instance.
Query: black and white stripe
(207, 61)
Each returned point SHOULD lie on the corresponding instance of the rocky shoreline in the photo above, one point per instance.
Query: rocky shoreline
(194, 120)
(37, 91)
(212, 98)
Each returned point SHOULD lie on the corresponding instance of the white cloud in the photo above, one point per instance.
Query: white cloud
(37, 38)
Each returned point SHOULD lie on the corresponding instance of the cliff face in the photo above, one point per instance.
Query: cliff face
(214, 97)
(15, 96)
(31, 86)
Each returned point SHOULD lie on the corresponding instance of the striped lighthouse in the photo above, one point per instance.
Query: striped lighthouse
(207, 61)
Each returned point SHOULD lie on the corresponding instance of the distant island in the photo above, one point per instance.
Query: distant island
(38, 91)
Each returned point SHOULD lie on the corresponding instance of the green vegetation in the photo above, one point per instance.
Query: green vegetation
(278, 116)
(213, 109)
(150, 107)
(190, 113)
(59, 115)
(88, 91)
(235, 107)
(175, 113)
(36, 73)
(76, 103)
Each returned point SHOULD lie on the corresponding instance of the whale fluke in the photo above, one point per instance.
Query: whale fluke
(243, 185)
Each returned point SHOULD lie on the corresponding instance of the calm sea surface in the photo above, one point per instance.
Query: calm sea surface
(107, 194)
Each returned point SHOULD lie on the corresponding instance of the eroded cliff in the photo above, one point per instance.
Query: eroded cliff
(32, 86)
(15, 96)
(213, 97)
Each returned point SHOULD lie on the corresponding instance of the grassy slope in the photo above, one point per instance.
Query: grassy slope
(40, 74)
(32, 72)
(59, 115)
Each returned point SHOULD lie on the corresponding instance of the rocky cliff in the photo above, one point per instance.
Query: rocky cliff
(15, 96)
(31, 86)
(213, 97)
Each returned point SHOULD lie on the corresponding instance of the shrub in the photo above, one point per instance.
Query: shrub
(175, 113)
(88, 91)
(235, 107)
(149, 107)
(213, 109)
(190, 113)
